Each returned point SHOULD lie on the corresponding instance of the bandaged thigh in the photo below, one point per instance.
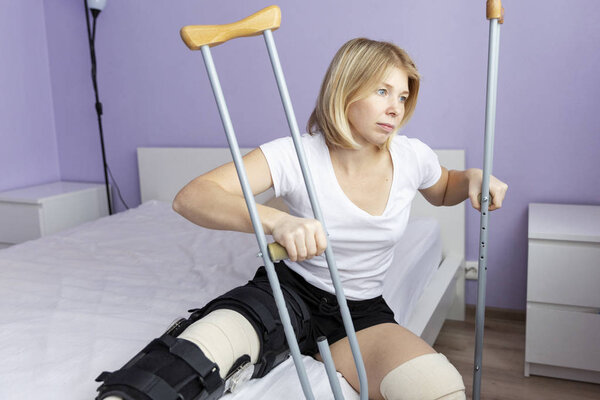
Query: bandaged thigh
(427, 377)
(224, 336)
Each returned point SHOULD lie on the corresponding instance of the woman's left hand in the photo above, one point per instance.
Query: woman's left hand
(497, 190)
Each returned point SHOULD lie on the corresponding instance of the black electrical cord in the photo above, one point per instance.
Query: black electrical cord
(91, 42)
(112, 178)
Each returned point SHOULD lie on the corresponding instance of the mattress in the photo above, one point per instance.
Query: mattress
(416, 258)
(88, 299)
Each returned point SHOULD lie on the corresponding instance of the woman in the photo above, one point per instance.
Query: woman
(366, 177)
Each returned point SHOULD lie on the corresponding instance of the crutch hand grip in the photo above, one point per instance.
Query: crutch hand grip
(277, 252)
(196, 36)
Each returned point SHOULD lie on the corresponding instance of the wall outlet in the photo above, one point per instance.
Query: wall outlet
(471, 270)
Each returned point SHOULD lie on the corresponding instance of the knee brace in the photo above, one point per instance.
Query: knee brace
(224, 339)
(427, 377)
(188, 363)
(167, 369)
(224, 336)
(255, 302)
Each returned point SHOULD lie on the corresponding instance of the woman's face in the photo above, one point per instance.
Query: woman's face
(376, 117)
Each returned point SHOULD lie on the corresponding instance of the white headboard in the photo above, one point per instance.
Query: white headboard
(164, 171)
(451, 219)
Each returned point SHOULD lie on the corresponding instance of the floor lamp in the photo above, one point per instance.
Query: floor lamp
(96, 6)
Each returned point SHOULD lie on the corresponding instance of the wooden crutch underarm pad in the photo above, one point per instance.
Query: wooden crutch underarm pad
(196, 36)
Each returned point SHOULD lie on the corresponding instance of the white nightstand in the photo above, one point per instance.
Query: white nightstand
(31, 212)
(563, 292)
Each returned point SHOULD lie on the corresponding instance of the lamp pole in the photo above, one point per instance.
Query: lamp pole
(96, 6)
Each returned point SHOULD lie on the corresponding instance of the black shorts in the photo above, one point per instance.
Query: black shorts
(325, 319)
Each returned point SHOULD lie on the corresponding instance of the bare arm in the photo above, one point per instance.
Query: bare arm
(215, 200)
(454, 187)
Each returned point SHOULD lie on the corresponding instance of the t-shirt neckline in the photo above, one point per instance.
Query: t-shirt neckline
(341, 191)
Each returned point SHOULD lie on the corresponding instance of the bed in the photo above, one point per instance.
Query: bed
(87, 299)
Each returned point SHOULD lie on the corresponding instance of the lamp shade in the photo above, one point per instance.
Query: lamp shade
(96, 4)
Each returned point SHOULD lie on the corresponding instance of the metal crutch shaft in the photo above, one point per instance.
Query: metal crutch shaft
(339, 291)
(260, 235)
(202, 37)
(495, 13)
(329, 368)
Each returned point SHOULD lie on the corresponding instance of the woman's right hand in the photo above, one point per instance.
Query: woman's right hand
(303, 238)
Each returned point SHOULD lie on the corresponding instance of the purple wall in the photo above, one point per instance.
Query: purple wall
(75, 115)
(156, 93)
(28, 148)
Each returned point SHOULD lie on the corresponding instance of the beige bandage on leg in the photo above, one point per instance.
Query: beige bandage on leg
(224, 336)
(427, 377)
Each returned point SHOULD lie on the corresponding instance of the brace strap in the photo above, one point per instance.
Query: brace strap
(208, 371)
(156, 387)
(143, 381)
(245, 300)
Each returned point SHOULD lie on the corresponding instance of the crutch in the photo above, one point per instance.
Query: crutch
(264, 22)
(495, 13)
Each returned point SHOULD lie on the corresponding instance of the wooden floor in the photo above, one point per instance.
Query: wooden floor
(503, 360)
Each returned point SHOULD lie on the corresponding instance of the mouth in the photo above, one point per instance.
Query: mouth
(386, 127)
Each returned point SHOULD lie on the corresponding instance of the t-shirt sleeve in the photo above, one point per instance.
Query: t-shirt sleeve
(429, 164)
(283, 164)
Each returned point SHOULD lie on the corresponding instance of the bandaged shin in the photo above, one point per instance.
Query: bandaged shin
(224, 336)
(427, 377)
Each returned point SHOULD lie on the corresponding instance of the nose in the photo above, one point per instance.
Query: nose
(394, 108)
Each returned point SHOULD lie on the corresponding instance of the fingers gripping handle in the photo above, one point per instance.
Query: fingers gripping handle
(196, 36)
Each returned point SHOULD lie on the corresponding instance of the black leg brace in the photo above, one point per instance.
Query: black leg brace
(167, 369)
(176, 369)
(255, 302)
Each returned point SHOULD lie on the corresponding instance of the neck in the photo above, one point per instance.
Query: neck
(352, 161)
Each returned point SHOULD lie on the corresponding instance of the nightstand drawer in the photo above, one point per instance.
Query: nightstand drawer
(20, 222)
(564, 273)
(562, 338)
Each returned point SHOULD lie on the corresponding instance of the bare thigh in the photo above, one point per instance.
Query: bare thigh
(383, 348)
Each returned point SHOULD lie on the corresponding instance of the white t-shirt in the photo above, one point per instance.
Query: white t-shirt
(362, 244)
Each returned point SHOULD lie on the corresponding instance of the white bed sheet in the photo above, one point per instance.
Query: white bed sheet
(88, 299)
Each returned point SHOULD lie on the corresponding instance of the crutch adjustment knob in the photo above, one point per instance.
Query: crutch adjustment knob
(485, 199)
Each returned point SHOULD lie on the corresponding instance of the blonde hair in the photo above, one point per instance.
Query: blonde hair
(356, 68)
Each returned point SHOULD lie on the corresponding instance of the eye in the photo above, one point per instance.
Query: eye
(382, 92)
(403, 99)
